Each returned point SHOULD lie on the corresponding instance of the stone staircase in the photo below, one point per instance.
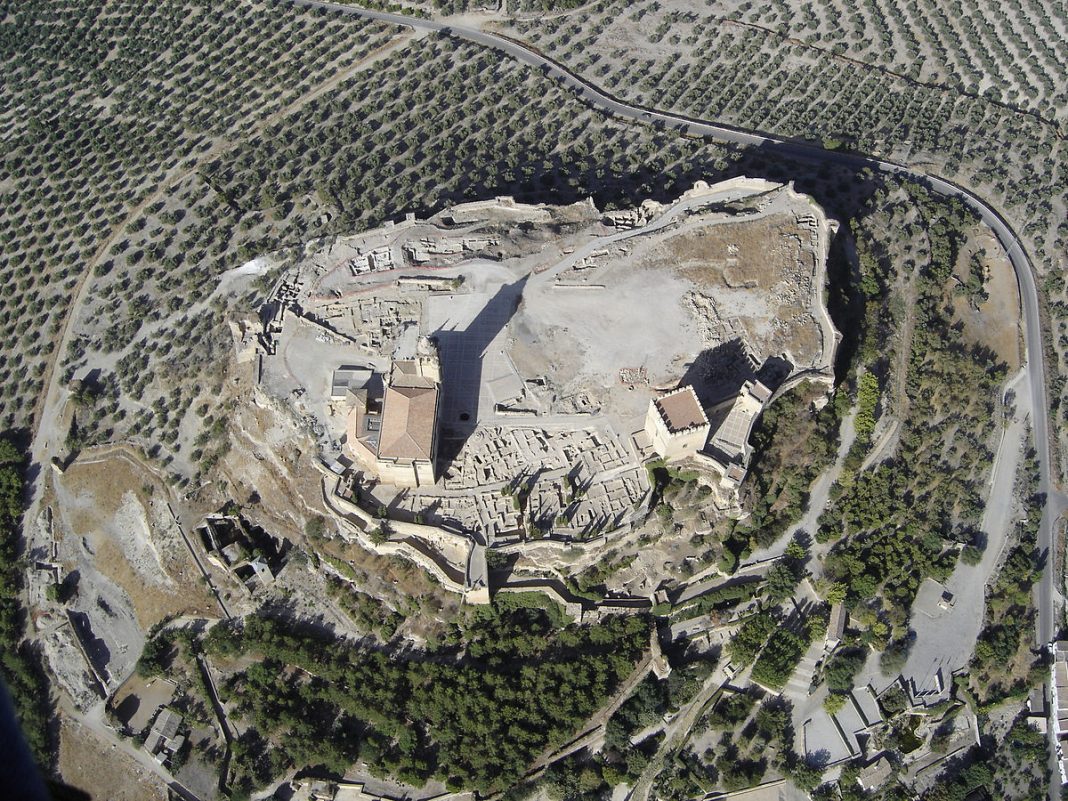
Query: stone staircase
(796, 688)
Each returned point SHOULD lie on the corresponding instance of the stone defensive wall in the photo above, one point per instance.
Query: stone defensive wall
(832, 337)
(475, 210)
(444, 554)
(459, 563)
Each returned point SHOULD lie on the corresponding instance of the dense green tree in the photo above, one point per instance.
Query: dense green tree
(19, 665)
(842, 667)
(523, 683)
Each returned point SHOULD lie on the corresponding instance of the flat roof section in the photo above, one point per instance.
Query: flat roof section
(348, 377)
(732, 435)
(680, 410)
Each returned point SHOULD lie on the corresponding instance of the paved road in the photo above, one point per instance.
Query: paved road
(1057, 502)
(944, 637)
(1048, 622)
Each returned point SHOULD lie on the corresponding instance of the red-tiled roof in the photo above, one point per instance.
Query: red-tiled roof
(408, 422)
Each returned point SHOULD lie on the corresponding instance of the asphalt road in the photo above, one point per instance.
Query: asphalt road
(1057, 502)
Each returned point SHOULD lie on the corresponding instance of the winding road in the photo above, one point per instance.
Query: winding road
(1056, 501)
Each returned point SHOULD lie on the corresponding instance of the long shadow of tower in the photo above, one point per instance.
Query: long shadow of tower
(463, 353)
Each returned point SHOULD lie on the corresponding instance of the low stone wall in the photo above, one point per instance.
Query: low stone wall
(409, 550)
(442, 553)
(477, 209)
(571, 609)
(815, 376)
(524, 546)
(753, 185)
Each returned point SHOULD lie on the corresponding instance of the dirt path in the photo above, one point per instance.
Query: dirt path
(93, 720)
(45, 435)
(884, 446)
(899, 405)
(44, 431)
(678, 730)
(818, 496)
(91, 763)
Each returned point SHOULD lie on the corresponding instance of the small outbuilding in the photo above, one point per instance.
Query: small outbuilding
(874, 774)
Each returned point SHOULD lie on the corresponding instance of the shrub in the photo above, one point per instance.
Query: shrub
(315, 527)
(834, 702)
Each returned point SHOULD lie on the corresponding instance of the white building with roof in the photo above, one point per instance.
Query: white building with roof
(836, 625)
(1060, 703)
(394, 435)
(731, 422)
(738, 415)
(676, 424)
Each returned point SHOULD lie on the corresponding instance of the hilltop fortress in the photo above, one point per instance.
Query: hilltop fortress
(506, 373)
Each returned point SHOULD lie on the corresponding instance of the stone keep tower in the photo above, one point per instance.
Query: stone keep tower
(676, 424)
